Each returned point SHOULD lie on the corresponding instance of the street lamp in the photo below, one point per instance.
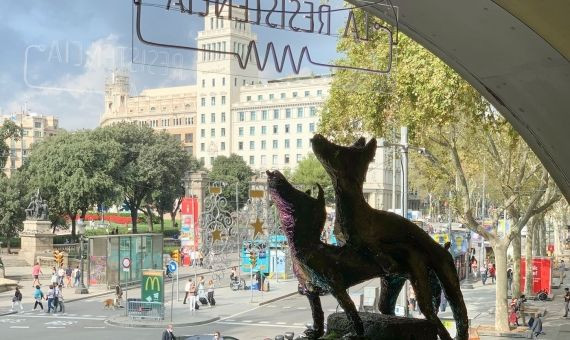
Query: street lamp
(81, 289)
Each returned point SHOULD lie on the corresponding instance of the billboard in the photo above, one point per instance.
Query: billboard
(541, 274)
(152, 285)
(189, 228)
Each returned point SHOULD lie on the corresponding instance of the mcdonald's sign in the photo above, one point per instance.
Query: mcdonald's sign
(152, 286)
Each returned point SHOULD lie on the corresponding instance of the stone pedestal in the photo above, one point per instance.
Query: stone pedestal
(383, 327)
(37, 240)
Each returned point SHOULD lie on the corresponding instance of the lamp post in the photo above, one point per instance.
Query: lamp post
(81, 289)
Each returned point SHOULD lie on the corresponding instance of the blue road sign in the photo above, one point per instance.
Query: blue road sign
(172, 266)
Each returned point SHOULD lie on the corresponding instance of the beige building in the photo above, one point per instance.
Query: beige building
(35, 127)
(170, 109)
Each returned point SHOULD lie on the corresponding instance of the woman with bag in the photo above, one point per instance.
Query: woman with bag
(192, 295)
(17, 299)
(211, 300)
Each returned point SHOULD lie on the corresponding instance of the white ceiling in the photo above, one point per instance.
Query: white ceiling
(507, 59)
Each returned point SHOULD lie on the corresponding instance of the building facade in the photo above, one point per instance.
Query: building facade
(35, 127)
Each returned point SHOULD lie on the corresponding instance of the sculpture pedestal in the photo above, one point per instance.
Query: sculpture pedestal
(37, 240)
(383, 327)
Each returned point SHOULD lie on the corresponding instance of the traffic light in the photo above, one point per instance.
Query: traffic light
(252, 259)
(175, 255)
(58, 257)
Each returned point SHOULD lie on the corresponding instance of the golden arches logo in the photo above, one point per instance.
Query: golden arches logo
(152, 280)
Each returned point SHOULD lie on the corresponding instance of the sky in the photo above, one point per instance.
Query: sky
(57, 54)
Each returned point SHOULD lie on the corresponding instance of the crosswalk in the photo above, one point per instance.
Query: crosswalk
(39, 314)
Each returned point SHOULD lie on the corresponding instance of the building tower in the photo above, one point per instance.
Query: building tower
(116, 95)
(219, 78)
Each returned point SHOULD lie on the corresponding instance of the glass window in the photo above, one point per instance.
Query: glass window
(286, 128)
(263, 145)
(203, 118)
(202, 147)
(275, 129)
(252, 130)
(188, 137)
(241, 116)
(263, 159)
(264, 114)
(260, 97)
(299, 158)
(274, 160)
(320, 93)
(283, 95)
(248, 98)
(295, 94)
(240, 131)
(299, 143)
(223, 146)
(223, 132)
(224, 78)
(203, 101)
(223, 117)
(213, 82)
(213, 101)
(275, 114)
(287, 144)
(275, 144)
(300, 112)
(223, 99)
(313, 111)
(203, 82)
(264, 130)
(312, 127)
(252, 115)
(212, 132)
(203, 133)
(251, 160)
(287, 113)
(213, 117)
(240, 145)
(271, 96)
(299, 128)
(286, 159)
(307, 93)
(251, 145)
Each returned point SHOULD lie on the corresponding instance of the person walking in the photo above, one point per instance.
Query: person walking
(54, 278)
(520, 307)
(566, 301)
(509, 280)
(60, 299)
(474, 268)
(68, 276)
(187, 290)
(36, 272)
(201, 288)
(38, 296)
(536, 328)
(17, 300)
(55, 298)
(492, 272)
(483, 271)
(561, 269)
(49, 298)
(212, 301)
(443, 303)
(76, 276)
(192, 295)
(168, 333)
(60, 275)
(200, 258)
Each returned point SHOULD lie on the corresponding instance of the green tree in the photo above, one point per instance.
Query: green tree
(8, 130)
(451, 119)
(310, 171)
(74, 171)
(232, 171)
(12, 206)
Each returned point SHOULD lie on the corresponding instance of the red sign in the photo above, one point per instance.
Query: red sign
(189, 213)
(541, 274)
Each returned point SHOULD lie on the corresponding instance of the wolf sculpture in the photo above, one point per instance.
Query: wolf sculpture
(381, 234)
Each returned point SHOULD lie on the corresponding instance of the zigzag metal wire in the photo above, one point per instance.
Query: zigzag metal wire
(261, 65)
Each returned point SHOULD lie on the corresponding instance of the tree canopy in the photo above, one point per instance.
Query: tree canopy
(232, 171)
(8, 130)
(310, 171)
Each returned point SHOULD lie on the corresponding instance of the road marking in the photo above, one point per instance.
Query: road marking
(94, 327)
(55, 327)
(64, 317)
(264, 322)
(281, 323)
(230, 320)
(301, 308)
(19, 326)
(298, 324)
(287, 307)
(247, 321)
(261, 325)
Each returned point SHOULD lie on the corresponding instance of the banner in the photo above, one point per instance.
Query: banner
(541, 274)
(152, 285)
(189, 227)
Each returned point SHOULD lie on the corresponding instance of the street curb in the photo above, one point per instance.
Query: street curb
(165, 322)
(502, 335)
(87, 296)
(8, 313)
(277, 298)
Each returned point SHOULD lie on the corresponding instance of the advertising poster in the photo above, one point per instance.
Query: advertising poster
(152, 286)
(189, 227)
(541, 274)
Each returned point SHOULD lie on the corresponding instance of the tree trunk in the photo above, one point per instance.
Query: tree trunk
(542, 243)
(173, 219)
(149, 218)
(9, 240)
(501, 310)
(73, 224)
(134, 217)
(528, 256)
(161, 217)
(535, 240)
(516, 284)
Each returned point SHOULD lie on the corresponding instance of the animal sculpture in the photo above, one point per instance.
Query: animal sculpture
(381, 234)
(320, 267)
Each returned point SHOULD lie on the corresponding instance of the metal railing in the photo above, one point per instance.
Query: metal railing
(70, 248)
(138, 309)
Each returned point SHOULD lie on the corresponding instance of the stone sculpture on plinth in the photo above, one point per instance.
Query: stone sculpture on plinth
(37, 238)
(379, 244)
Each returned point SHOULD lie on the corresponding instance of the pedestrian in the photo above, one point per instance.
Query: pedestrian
(77, 276)
(521, 308)
(118, 296)
(443, 303)
(492, 273)
(193, 258)
(192, 295)
(200, 258)
(201, 287)
(513, 319)
(217, 336)
(536, 328)
(36, 272)
(68, 273)
(168, 333)
(49, 298)
(187, 290)
(411, 298)
(474, 268)
(17, 300)
(561, 269)
(54, 278)
(60, 275)
(566, 301)
(60, 299)
(38, 296)
(509, 280)
(483, 272)
(212, 301)
(56, 293)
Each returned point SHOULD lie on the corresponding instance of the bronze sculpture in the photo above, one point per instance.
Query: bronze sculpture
(381, 234)
(38, 208)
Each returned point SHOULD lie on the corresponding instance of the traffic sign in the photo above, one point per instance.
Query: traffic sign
(126, 262)
(172, 266)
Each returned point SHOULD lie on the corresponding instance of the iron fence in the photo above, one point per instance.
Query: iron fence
(138, 309)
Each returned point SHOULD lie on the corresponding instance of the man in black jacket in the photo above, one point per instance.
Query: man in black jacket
(168, 334)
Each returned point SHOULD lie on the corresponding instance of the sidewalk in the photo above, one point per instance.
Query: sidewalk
(228, 304)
